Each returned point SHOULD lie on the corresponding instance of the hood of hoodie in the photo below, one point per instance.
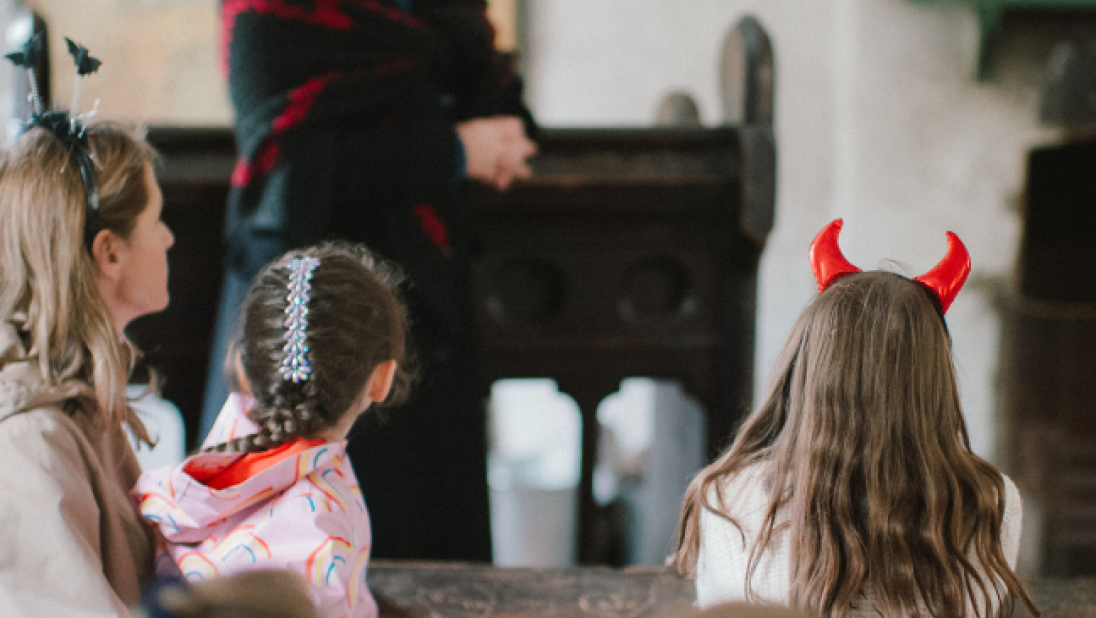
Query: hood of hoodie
(22, 386)
(186, 510)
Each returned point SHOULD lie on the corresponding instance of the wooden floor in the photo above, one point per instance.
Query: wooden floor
(437, 590)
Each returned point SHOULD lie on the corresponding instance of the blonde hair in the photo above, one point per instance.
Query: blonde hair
(48, 282)
(869, 463)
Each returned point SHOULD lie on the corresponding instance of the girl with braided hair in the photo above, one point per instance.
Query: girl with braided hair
(322, 338)
(852, 491)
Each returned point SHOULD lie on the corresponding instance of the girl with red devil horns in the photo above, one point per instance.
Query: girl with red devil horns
(852, 491)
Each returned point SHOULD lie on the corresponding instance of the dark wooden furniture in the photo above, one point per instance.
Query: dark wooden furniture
(433, 590)
(631, 252)
(626, 255)
(1048, 361)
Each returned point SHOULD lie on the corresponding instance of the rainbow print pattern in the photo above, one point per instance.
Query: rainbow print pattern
(161, 510)
(196, 566)
(328, 558)
(305, 514)
(357, 580)
(242, 545)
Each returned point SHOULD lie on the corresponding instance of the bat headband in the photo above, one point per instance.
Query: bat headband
(296, 365)
(944, 280)
(69, 129)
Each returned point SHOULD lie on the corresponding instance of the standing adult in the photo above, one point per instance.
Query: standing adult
(357, 119)
(82, 253)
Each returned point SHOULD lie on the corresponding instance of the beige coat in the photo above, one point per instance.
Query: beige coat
(72, 544)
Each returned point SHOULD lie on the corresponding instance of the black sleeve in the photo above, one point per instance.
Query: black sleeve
(482, 81)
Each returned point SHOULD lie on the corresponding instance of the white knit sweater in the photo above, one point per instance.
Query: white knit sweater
(724, 557)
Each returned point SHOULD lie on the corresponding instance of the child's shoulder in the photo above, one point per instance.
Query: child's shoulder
(192, 497)
(1013, 503)
(751, 477)
(1011, 492)
(745, 489)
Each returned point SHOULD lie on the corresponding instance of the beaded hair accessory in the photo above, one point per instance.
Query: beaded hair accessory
(69, 129)
(296, 365)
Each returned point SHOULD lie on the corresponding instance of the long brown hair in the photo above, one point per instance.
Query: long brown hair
(356, 321)
(869, 463)
(48, 281)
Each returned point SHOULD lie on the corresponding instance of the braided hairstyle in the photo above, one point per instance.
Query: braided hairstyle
(356, 321)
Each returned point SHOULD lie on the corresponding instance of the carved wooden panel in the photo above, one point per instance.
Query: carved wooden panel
(625, 255)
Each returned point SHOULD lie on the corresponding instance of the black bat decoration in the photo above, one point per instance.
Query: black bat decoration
(85, 63)
(28, 56)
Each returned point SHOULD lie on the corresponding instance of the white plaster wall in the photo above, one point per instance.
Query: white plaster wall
(9, 9)
(160, 58)
(878, 120)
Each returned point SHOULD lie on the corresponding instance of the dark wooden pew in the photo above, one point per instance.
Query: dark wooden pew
(435, 590)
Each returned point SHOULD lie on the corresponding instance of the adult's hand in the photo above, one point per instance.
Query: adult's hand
(496, 150)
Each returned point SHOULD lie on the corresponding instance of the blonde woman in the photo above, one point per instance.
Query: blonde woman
(852, 491)
(83, 251)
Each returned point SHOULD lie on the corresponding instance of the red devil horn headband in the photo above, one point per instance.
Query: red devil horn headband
(827, 261)
(945, 279)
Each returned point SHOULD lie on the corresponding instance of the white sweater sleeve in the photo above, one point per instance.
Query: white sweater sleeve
(721, 562)
(724, 556)
(1011, 523)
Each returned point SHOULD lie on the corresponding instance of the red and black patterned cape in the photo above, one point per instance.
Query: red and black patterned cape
(314, 82)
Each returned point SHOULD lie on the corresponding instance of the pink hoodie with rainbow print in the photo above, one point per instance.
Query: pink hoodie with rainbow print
(304, 512)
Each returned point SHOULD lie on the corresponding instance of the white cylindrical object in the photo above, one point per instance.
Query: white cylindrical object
(532, 527)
